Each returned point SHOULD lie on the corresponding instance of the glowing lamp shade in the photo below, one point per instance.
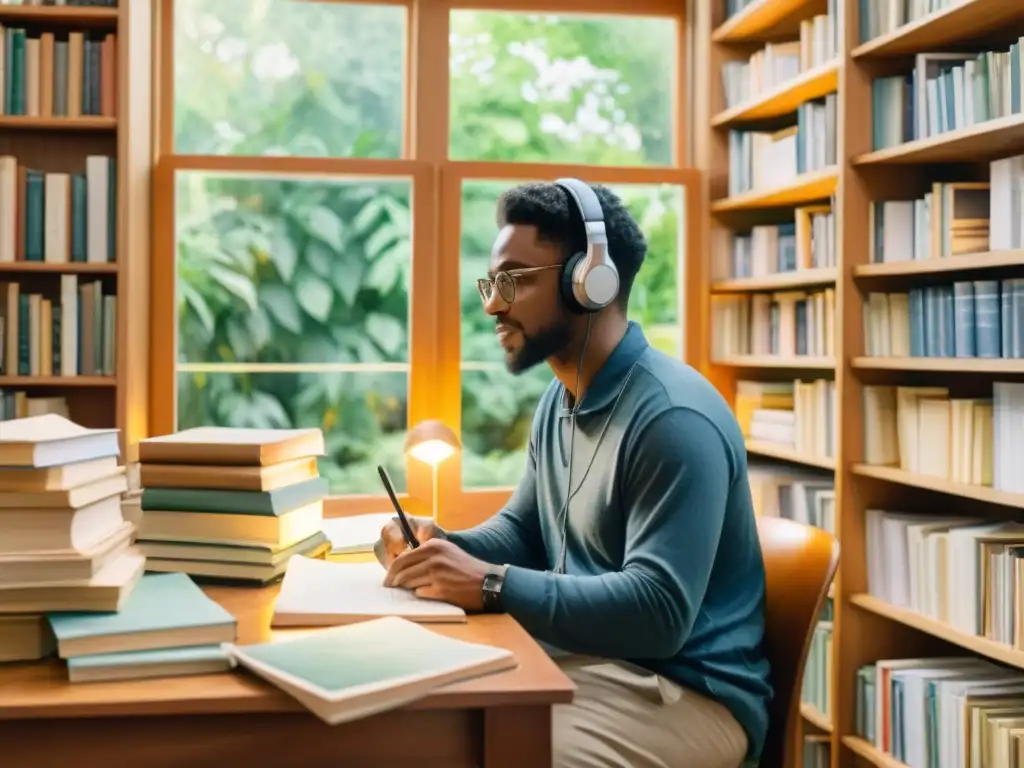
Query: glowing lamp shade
(431, 442)
(431, 452)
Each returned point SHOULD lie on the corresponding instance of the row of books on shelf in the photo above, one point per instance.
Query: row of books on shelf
(967, 319)
(965, 572)
(58, 217)
(794, 493)
(767, 159)
(880, 17)
(785, 323)
(816, 686)
(776, 63)
(952, 219)
(72, 334)
(946, 92)
(797, 415)
(926, 432)
(46, 75)
(18, 404)
(943, 711)
(808, 242)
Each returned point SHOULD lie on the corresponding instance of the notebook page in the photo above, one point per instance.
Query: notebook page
(316, 592)
(357, 533)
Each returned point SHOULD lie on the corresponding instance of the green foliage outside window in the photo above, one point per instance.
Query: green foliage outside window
(293, 295)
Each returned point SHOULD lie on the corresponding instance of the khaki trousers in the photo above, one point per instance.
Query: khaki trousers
(624, 716)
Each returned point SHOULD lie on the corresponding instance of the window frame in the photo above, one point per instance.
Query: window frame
(436, 183)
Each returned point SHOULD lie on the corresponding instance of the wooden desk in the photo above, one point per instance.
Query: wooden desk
(236, 719)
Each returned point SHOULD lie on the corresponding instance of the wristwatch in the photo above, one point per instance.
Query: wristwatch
(492, 585)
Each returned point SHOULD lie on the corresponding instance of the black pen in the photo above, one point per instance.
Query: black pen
(403, 522)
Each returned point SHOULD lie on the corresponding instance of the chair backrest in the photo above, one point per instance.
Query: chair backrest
(800, 562)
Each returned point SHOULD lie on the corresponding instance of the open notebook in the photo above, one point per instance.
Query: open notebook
(346, 673)
(357, 533)
(322, 593)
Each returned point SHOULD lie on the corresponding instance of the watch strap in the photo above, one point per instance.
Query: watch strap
(492, 585)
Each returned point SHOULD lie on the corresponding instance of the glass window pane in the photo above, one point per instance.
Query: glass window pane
(497, 406)
(279, 77)
(567, 89)
(293, 310)
(362, 415)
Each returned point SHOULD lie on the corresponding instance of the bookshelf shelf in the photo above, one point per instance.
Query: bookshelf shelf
(869, 753)
(772, 451)
(941, 364)
(58, 381)
(811, 714)
(87, 162)
(974, 262)
(949, 29)
(785, 98)
(81, 268)
(806, 188)
(32, 123)
(800, 279)
(765, 19)
(64, 15)
(806, 363)
(982, 646)
(830, 218)
(982, 493)
(980, 143)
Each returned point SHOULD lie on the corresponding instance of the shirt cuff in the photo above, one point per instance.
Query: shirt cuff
(521, 590)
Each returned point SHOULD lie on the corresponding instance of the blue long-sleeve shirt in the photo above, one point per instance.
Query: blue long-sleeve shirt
(663, 566)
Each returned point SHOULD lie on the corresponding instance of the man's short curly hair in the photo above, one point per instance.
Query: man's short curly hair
(547, 207)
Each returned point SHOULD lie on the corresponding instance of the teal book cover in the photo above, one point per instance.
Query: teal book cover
(160, 601)
(266, 503)
(337, 663)
(159, 656)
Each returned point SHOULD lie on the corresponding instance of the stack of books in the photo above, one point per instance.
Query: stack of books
(64, 544)
(231, 504)
(167, 627)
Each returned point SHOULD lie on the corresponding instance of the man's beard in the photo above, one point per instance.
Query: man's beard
(539, 347)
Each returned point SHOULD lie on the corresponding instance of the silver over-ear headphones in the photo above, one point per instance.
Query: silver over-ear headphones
(590, 281)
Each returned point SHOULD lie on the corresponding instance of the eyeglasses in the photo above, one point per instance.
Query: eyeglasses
(505, 282)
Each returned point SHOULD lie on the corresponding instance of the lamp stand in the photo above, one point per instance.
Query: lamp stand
(433, 491)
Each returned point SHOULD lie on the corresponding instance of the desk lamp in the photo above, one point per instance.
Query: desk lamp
(431, 442)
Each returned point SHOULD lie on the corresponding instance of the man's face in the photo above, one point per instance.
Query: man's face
(535, 324)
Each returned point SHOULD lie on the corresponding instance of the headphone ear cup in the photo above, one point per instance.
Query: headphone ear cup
(568, 294)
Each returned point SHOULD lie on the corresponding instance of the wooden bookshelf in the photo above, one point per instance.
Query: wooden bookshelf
(58, 140)
(765, 20)
(951, 28)
(811, 714)
(996, 138)
(797, 363)
(974, 262)
(772, 451)
(803, 278)
(806, 188)
(66, 16)
(865, 628)
(785, 98)
(981, 493)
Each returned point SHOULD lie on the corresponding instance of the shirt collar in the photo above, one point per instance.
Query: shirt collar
(608, 381)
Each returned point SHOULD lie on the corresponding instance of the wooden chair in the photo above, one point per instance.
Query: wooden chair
(800, 562)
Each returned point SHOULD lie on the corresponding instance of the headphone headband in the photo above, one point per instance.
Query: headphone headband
(590, 280)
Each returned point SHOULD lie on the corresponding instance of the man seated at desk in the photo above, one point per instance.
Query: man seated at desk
(629, 547)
